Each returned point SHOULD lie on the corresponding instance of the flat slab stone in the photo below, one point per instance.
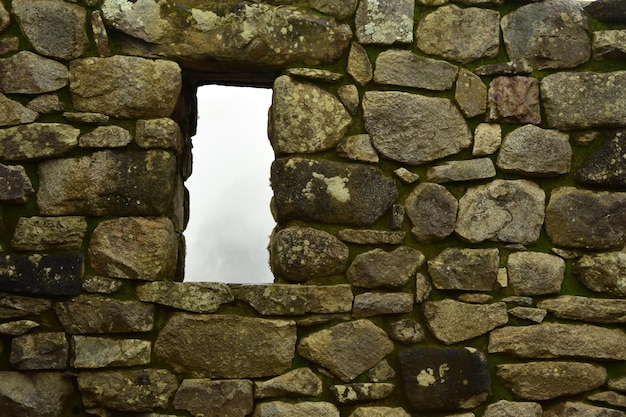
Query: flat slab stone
(45, 274)
(39, 394)
(407, 69)
(594, 310)
(465, 269)
(444, 378)
(39, 351)
(603, 272)
(374, 304)
(385, 22)
(467, 170)
(198, 297)
(224, 398)
(101, 352)
(378, 269)
(45, 233)
(372, 237)
(37, 140)
(29, 73)
(14, 306)
(301, 409)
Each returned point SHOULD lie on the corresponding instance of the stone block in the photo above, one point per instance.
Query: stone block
(39, 351)
(534, 273)
(39, 394)
(219, 398)
(37, 140)
(45, 233)
(603, 272)
(100, 352)
(407, 69)
(302, 409)
(385, 22)
(465, 269)
(380, 269)
(514, 100)
(432, 210)
(42, 274)
(29, 73)
(198, 297)
(15, 185)
(300, 382)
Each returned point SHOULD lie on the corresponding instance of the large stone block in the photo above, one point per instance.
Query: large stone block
(198, 297)
(603, 272)
(37, 140)
(29, 73)
(465, 269)
(535, 273)
(606, 168)
(380, 269)
(39, 351)
(220, 346)
(385, 22)
(45, 233)
(405, 68)
(595, 310)
(432, 210)
(220, 398)
(15, 185)
(100, 352)
(40, 394)
(47, 274)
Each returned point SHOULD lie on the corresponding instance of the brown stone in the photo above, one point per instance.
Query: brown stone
(39, 394)
(39, 351)
(199, 297)
(377, 268)
(432, 210)
(29, 73)
(100, 352)
(37, 140)
(470, 93)
(514, 100)
(296, 383)
(15, 186)
(407, 69)
(359, 65)
(45, 233)
(221, 398)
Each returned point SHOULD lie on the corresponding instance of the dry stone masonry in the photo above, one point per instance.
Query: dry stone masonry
(449, 192)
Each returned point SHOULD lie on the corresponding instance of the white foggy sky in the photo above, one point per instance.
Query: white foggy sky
(230, 220)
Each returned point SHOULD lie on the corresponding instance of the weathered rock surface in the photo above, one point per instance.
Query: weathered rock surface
(359, 65)
(133, 390)
(330, 192)
(514, 100)
(296, 383)
(382, 371)
(407, 69)
(581, 410)
(314, 74)
(37, 140)
(302, 409)
(509, 211)
(385, 22)
(46, 104)
(453, 321)
(552, 340)
(465, 269)
(617, 384)
(535, 273)
(487, 139)
(594, 310)
(467, 170)
(538, 381)
(462, 35)
(198, 297)
(16, 186)
(17, 328)
(101, 285)
(106, 137)
(29, 73)
(550, 34)
(39, 351)
(378, 269)
(224, 398)
(578, 100)
(528, 313)
(97, 314)
(222, 346)
(5, 18)
(287, 299)
(54, 28)
(161, 133)
(349, 96)
(470, 93)
(304, 118)
(444, 378)
(300, 253)
(347, 349)
(48, 274)
(125, 86)
(603, 272)
(606, 167)
(608, 44)
(412, 128)
(532, 151)
(13, 113)
(45, 233)
(372, 237)
(40, 394)
(406, 331)
(379, 412)
(610, 11)
(357, 148)
(13, 306)
(610, 398)
(374, 304)
(84, 185)
(361, 392)
(100, 352)
(585, 219)
(504, 408)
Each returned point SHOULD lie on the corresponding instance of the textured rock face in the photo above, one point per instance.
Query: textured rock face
(44, 274)
(465, 269)
(377, 268)
(598, 310)
(13, 113)
(399, 67)
(219, 346)
(17, 184)
(99, 352)
(39, 351)
(303, 409)
(198, 297)
(514, 100)
(414, 129)
(505, 408)
(432, 210)
(534, 273)
(603, 272)
(379, 412)
(361, 392)
(470, 170)
(29, 73)
(37, 140)
(470, 93)
(41, 394)
(296, 383)
(44, 233)
(607, 166)
(375, 304)
(203, 397)
(287, 299)
(580, 409)
(385, 22)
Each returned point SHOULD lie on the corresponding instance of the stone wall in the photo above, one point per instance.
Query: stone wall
(449, 188)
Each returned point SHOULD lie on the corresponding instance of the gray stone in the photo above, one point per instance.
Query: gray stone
(609, 44)
(470, 93)
(510, 211)
(603, 272)
(550, 34)
(406, 331)
(297, 126)
(15, 186)
(29, 73)
(161, 133)
(581, 410)
(300, 382)
(407, 69)
(13, 113)
(86, 118)
(504, 408)
(54, 28)
(198, 297)
(475, 298)
(385, 22)
(100, 352)
(101, 285)
(414, 129)
(221, 398)
(381, 371)
(329, 299)
(225, 346)
(97, 314)
(535, 273)
(606, 167)
(135, 248)
(552, 340)
(13, 306)
(46, 104)
(106, 137)
(487, 139)
(594, 310)
(357, 148)
(37, 140)
(300, 253)
(347, 349)
(372, 237)
(539, 381)
(86, 186)
(465, 269)
(341, 9)
(532, 151)
(462, 35)
(467, 170)
(286, 299)
(359, 65)
(45, 233)
(452, 321)
(609, 11)
(586, 219)
(349, 96)
(361, 392)
(330, 192)
(514, 100)
(302, 409)
(17, 328)
(378, 268)
(39, 394)
(528, 313)
(132, 390)
(315, 74)
(406, 176)
(374, 304)
(373, 411)
(45, 274)
(580, 100)
(125, 86)
(505, 68)
(39, 351)
(609, 398)
(436, 378)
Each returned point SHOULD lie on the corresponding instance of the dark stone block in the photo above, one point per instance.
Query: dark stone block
(608, 11)
(607, 167)
(444, 378)
(47, 274)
